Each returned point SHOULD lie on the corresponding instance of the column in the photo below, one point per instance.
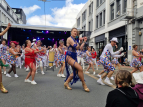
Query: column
(107, 14)
(129, 39)
(107, 36)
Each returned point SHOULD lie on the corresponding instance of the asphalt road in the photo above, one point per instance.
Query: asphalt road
(50, 92)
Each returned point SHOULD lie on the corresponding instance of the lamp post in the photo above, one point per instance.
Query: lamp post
(44, 8)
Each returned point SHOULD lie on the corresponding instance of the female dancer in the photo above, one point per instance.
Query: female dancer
(30, 61)
(80, 55)
(62, 49)
(39, 59)
(23, 54)
(105, 61)
(71, 59)
(89, 60)
(11, 59)
(115, 62)
(135, 62)
(1, 85)
(18, 48)
(94, 56)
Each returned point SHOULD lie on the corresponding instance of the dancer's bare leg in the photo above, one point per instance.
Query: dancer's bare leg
(134, 70)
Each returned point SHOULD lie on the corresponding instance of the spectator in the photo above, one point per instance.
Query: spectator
(123, 95)
(139, 86)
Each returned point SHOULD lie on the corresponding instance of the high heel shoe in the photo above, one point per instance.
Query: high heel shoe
(85, 87)
(66, 85)
(2, 88)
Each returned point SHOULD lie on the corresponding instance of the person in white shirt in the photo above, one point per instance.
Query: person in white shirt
(105, 61)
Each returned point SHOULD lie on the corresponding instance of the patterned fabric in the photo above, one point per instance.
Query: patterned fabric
(89, 59)
(115, 61)
(107, 65)
(3, 52)
(62, 58)
(11, 59)
(136, 62)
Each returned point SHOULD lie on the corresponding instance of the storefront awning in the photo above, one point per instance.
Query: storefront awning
(40, 27)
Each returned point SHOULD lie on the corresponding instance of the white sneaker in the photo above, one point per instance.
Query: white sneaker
(108, 81)
(44, 67)
(99, 76)
(33, 82)
(86, 72)
(58, 75)
(56, 67)
(112, 78)
(20, 67)
(50, 67)
(62, 75)
(100, 81)
(36, 72)
(16, 76)
(94, 73)
(27, 80)
(96, 68)
(8, 75)
(42, 72)
(4, 72)
(27, 69)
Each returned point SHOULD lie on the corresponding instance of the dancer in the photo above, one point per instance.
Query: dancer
(94, 56)
(18, 49)
(23, 54)
(80, 55)
(30, 61)
(136, 62)
(56, 55)
(71, 59)
(39, 58)
(11, 59)
(2, 88)
(89, 60)
(105, 61)
(116, 63)
(62, 49)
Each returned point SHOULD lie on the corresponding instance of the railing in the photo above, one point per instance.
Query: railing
(6, 6)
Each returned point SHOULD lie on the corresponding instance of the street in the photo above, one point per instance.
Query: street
(50, 92)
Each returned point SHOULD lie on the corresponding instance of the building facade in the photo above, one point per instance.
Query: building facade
(7, 15)
(112, 18)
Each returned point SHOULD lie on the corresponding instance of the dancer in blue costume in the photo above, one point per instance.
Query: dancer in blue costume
(71, 59)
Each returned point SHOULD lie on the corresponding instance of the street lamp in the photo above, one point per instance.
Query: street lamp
(44, 8)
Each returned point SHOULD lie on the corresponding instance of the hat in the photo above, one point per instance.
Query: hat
(114, 39)
(138, 77)
(34, 40)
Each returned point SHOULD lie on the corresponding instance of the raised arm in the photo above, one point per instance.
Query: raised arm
(88, 54)
(3, 32)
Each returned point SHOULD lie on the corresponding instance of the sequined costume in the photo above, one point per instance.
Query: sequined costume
(11, 59)
(3, 52)
(71, 51)
(115, 61)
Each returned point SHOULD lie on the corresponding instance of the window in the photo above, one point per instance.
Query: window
(125, 6)
(101, 1)
(118, 8)
(96, 21)
(91, 8)
(78, 22)
(18, 10)
(14, 10)
(104, 14)
(112, 11)
(84, 16)
(101, 19)
(8, 9)
(89, 26)
(97, 1)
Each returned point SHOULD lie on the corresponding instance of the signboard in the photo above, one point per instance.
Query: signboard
(129, 47)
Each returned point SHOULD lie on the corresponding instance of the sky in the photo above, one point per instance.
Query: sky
(61, 13)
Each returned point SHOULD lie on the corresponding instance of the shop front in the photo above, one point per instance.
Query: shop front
(100, 42)
(122, 41)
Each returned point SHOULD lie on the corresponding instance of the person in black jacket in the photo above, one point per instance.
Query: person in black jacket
(123, 95)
